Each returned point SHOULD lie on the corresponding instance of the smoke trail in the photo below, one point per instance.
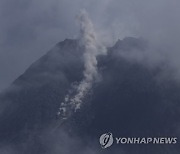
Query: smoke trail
(92, 48)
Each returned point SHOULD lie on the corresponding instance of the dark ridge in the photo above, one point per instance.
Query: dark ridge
(128, 101)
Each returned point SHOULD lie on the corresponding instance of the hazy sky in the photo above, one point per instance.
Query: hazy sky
(29, 28)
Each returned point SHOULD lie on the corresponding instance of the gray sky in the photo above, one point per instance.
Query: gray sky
(28, 29)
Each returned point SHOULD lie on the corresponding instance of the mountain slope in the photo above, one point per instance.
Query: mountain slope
(128, 100)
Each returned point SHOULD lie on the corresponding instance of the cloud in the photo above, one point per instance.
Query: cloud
(30, 28)
(89, 43)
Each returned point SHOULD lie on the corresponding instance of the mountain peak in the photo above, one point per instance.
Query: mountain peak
(127, 98)
(129, 43)
(67, 42)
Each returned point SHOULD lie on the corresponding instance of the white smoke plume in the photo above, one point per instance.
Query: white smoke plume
(92, 48)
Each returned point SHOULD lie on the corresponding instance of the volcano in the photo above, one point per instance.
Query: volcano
(130, 99)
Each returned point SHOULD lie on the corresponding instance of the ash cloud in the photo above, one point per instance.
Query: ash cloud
(43, 25)
(92, 48)
(29, 28)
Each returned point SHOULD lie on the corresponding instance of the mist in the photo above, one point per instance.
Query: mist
(30, 28)
(92, 48)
